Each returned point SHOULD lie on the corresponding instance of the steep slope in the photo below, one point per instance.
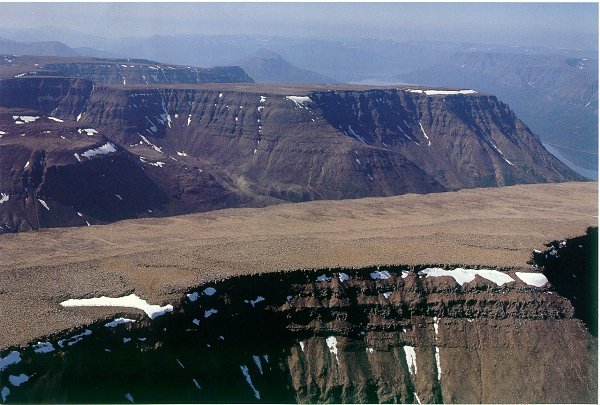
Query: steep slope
(216, 146)
(557, 96)
(265, 66)
(119, 71)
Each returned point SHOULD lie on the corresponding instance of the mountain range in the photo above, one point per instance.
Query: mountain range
(568, 129)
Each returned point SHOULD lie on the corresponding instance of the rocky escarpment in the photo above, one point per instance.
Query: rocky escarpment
(215, 146)
(381, 334)
(571, 265)
(119, 71)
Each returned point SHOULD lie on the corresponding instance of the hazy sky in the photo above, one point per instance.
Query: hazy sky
(573, 25)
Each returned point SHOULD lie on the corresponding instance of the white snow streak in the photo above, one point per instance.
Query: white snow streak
(422, 130)
(4, 197)
(357, 136)
(432, 92)
(118, 321)
(411, 359)
(44, 204)
(258, 363)
(129, 301)
(249, 380)
(332, 345)
(438, 363)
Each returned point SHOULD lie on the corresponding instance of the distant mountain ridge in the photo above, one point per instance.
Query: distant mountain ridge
(44, 48)
(118, 71)
(265, 66)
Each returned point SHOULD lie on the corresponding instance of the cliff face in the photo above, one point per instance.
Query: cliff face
(205, 147)
(393, 334)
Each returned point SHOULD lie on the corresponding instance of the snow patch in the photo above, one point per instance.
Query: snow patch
(343, 277)
(323, 278)
(43, 347)
(129, 397)
(209, 291)
(210, 312)
(298, 100)
(55, 119)
(105, 149)
(181, 153)
(118, 321)
(4, 198)
(24, 119)
(157, 164)
(129, 301)
(462, 276)
(5, 393)
(74, 339)
(88, 131)
(533, 279)
(380, 275)
(387, 295)
(17, 380)
(11, 358)
(255, 301)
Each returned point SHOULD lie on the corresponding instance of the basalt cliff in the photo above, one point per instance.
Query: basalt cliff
(75, 152)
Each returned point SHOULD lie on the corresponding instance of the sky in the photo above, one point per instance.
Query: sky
(568, 25)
